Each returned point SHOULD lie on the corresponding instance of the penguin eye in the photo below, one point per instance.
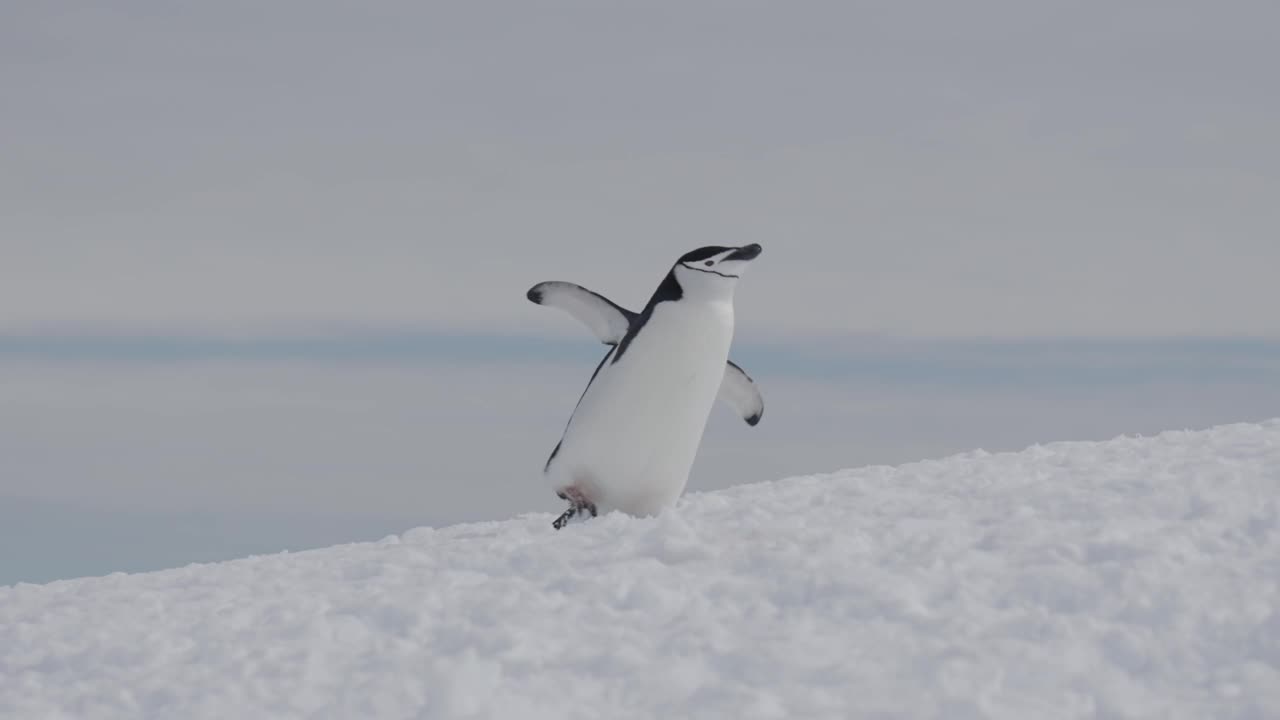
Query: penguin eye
(709, 263)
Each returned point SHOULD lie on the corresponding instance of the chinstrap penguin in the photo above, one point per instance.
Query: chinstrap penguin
(632, 438)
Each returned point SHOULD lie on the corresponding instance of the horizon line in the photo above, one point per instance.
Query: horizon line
(875, 356)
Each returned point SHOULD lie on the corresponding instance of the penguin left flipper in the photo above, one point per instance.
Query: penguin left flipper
(607, 320)
(739, 392)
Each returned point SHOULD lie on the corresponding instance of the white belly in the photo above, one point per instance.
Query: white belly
(633, 438)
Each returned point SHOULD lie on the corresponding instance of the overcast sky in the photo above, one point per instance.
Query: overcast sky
(267, 261)
(933, 168)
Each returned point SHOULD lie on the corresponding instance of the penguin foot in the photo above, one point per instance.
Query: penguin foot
(565, 517)
(577, 504)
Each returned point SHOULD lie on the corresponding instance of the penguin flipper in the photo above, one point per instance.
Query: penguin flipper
(607, 320)
(739, 392)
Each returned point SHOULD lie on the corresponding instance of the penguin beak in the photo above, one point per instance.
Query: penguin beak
(746, 252)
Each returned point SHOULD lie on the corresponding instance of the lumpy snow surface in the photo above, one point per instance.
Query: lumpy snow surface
(1135, 578)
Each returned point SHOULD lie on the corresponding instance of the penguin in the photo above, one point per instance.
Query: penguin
(631, 440)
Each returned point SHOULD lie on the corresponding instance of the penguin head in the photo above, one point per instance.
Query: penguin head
(714, 269)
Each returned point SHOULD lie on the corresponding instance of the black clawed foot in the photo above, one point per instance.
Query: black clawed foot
(577, 504)
(565, 517)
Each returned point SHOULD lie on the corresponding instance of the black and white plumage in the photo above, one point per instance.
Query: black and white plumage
(633, 435)
(609, 322)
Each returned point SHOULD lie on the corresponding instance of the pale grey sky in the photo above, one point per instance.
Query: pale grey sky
(267, 262)
(930, 168)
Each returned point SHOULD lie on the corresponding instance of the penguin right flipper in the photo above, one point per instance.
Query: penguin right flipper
(739, 392)
(607, 320)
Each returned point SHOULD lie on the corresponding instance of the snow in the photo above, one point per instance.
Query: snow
(1134, 578)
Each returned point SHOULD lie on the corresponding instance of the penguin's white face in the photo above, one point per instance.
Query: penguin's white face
(714, 270)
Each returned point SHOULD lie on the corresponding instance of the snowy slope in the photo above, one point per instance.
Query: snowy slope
(1133, 578)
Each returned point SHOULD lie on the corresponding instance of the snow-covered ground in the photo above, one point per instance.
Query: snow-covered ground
(1138, 577)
